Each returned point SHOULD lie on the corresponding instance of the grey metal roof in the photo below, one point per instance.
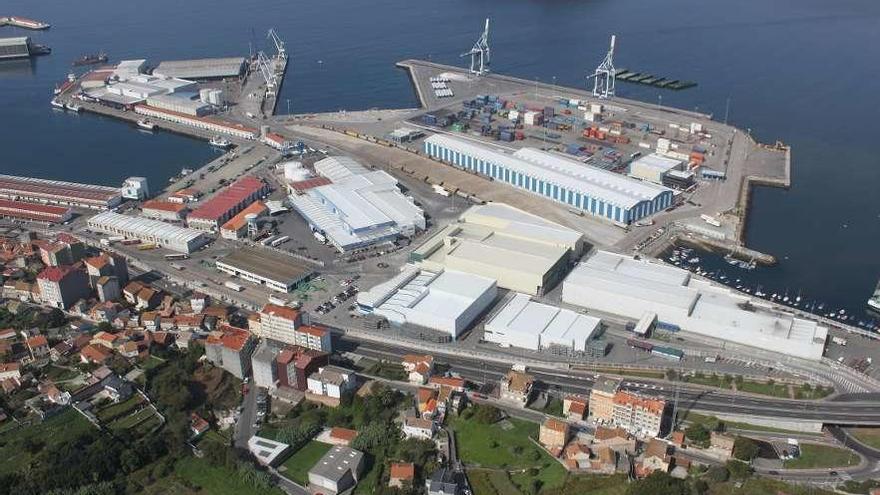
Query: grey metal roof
(203, 68)
(337, 462)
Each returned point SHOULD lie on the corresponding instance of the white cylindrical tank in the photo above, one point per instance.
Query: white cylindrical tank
(293, 169)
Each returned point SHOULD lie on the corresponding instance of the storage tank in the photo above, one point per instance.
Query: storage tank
(293, 169)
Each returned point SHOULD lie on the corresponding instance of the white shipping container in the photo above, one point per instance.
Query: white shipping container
(582, 108)
(589, 117)
(710, 220)
(696, 127)
(596, 107)
(614, 132)
(673, 126)
(604, 129)
(574, 103)
(513, 115)
(646, 146)
(234, 286)
(662, 144)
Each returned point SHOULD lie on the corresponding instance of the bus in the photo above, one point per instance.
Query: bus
(280, 241)
(176, 256)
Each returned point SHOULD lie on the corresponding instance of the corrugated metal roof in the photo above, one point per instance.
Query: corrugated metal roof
(144, 227)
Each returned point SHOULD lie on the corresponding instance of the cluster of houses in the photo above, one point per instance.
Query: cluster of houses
(625, 436)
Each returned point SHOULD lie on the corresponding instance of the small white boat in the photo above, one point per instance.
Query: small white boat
(146, 124)
(73, 107)
(57, 104)
(220, 142)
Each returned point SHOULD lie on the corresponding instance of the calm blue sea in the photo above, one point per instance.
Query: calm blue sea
(803, 71)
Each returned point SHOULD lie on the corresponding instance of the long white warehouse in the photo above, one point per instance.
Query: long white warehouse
(447, 301)
(625, 286)
(614, 197)
(159, 233)
(532, 325)
(359, 207)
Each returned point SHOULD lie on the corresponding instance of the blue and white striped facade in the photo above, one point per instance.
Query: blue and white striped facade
(615, 197)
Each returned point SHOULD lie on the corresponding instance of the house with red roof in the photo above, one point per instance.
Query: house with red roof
(419, 367)
(400, 473)
(38, 346)
(95, 354)
(61, 286)
(231, 348)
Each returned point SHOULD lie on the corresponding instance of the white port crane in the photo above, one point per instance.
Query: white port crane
(604, 76)
(480, 54)
(268, 73)
(279, 44)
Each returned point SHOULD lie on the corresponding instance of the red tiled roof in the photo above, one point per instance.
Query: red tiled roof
(238, 221)
(31, 210)
(425, 394)
(578, 407)
(56, 273)
(156, 204)
(312, 330)
(305, 185)
(37, 341)
(231, 197)
(555, 425)
(655, 406)
(280, 311)
(98, 262)
(231, 337)
(95, 353)
(343, 433)
(449, 381)
(402, 471)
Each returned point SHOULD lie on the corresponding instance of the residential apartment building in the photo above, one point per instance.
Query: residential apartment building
(294, 364)
(553, 434)
(61, 286)
(313, 337)
(331, 382)
(277, 323)
(638, 415)
(263, 367)
(601, 406)
(231, 349)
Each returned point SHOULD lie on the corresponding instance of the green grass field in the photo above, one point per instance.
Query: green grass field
(216, 480)
(123, 408)
(297, 466)
(764, 486)
(142, 422)
(822, 456)
(494, 446)
(58, 429)
(867, 436)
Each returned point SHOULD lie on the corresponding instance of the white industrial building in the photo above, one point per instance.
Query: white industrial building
(153, 231)
(523, 252)
(629, 287)
(180, 104)
(359, 207)
(447, 301)
(616, 198)
(654, 167)
(524, 323)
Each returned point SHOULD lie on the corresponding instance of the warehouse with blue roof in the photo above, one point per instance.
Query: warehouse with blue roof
(617, 198)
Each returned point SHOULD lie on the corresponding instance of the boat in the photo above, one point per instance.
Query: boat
(146, 124)
(94, 58)
(57, 104)
(874, 300)
(73, 107)
(220, 142)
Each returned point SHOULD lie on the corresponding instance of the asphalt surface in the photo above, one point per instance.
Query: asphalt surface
(860, 411)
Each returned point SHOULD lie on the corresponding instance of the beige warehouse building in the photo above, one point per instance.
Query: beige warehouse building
(523, 252)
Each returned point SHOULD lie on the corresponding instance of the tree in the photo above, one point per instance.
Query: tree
(745, 449)
(698, 434)
(738, 470)
(54, 319)
(718, 474)
(486, 415)
(699, 487)
(535, 486)
(657, 483)
(671, 374)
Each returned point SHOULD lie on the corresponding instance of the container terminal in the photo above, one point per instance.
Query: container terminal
(709, 167)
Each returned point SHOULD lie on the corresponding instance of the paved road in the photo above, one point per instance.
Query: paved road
(244, 428)
(862, 410)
